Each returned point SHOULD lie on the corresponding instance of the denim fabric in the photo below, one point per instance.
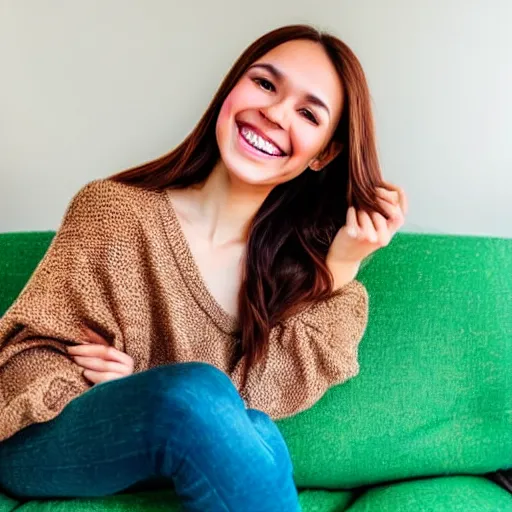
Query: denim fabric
(184, 422)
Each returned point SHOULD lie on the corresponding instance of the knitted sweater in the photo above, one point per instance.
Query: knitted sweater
(120, 264)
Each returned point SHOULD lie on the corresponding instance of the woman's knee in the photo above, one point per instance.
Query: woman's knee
(192, 389)
(194, 399)
(272, 439)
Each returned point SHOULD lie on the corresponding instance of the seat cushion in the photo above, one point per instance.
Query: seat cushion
(7, 504)
(147, 501)
(444, 494)
(324, 501)
(160, 501)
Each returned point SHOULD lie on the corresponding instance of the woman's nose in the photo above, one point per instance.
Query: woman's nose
(275, 114)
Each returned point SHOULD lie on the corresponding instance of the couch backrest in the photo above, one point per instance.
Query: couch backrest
(19, 255)
(434, 392)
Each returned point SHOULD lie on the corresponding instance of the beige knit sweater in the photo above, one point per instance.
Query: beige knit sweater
(121, 265)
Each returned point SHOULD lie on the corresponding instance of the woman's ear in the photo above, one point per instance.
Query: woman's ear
(326, 156)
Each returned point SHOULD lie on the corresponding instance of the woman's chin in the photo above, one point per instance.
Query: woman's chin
(253, 177)
(251, 173)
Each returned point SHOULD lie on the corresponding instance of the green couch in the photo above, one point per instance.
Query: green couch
(427, 421)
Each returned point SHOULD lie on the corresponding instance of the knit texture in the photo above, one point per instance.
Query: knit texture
(120, 265)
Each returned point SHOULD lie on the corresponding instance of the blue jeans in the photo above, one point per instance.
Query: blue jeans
(184, 422)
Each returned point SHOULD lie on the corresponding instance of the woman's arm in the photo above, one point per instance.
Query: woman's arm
(73, 286)
(342, 272)
(308, 353)
(318, 347)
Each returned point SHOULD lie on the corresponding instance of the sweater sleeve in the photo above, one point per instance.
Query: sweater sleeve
(69, 289)
(310, 352)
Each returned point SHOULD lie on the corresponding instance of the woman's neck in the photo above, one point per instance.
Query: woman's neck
(222, 208)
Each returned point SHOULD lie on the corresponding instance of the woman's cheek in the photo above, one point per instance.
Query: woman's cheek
(305, 146)
(225, 110)
(235, 98)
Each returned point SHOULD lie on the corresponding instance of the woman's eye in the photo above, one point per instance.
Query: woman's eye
(265, 84)
(309, 115)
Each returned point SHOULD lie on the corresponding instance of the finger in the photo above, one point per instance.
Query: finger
(100, 365)
(393, 211)
(381, 227)
(367, 229)
(395, 224)
(93, 336)
(404, 203)
(352, 227)
(396, 216)
(388, 195)
(94, 350)
(99, 377)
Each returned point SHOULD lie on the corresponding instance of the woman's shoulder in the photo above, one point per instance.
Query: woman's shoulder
(106, 193)
(105, 207)
(110, 200)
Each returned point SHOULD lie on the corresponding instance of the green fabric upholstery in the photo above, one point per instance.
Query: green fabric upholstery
(166, 501)
(446, 494)
(19, 255)
(153, 501)
(160, 501)
(433, 398)
(325, 501)
(434, 393)
(7, 504)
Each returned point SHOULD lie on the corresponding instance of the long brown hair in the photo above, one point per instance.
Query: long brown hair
(290, 235)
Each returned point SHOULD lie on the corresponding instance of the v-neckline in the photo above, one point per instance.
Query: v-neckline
(190, 271)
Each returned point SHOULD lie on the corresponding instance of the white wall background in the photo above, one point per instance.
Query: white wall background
(88, 88)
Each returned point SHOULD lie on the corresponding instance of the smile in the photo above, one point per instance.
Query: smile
(258, 142)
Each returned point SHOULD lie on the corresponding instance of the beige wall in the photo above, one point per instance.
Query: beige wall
(89, 88)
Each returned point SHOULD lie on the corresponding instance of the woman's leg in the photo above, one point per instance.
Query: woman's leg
(184, 421)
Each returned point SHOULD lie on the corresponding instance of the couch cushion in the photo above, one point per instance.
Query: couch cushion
(7, 504)
(148, 501)
(445, 494)
(434, 391)
(324, 501)
(19, 255)
(160, 501)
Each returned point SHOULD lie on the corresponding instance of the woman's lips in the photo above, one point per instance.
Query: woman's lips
(258, 132)
(251, 150)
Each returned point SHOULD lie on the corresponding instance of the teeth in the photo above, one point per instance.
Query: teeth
(258, 142)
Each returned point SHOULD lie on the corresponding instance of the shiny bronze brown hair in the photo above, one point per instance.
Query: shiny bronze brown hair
(288, 240)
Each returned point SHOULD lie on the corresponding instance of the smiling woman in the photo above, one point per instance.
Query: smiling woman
(289, 139)
(276, 102)
(204, 294)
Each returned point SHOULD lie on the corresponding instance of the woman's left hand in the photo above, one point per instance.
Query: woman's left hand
(365, 232)
(101, 362)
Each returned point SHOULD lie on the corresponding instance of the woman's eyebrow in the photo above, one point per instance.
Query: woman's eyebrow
(279, 75)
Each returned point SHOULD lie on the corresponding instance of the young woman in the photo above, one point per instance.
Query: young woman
(185, 304)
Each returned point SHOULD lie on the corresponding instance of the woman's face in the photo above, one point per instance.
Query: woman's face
(280, 115)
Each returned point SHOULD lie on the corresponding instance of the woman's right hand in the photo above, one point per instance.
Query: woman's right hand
(366, 232)
(100, 361)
